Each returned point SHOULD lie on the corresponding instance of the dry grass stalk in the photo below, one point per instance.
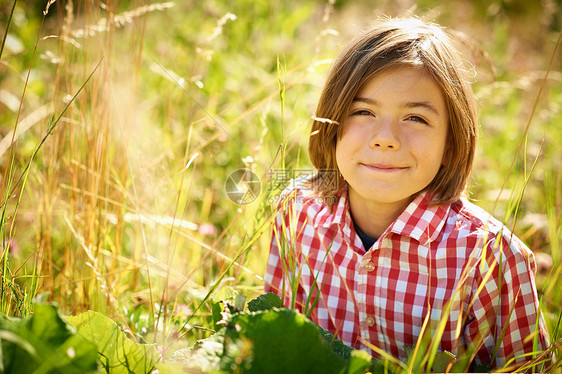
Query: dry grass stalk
(119, 20)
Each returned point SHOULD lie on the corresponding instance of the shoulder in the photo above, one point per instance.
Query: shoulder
(473, 217)
(303, 204)
(300, 198)
(472, 222)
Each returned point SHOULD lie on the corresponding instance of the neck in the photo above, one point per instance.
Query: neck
(374, 217)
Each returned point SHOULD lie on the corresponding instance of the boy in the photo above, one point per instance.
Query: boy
(395, 241)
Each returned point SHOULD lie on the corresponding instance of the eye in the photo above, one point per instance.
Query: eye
(361, 112)
(417, 119)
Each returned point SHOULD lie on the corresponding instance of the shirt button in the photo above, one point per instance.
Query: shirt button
(370, 321)
(369, 266)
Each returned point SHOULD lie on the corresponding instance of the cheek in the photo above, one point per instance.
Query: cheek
(429, 146)
(342, 155)
(350, 139)
(338, 153)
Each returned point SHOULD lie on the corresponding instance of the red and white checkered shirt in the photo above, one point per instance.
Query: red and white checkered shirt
(432, 260)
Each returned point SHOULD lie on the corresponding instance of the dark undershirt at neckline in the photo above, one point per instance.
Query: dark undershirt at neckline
(365, 239)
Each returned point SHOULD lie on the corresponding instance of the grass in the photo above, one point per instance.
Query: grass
(121, 206)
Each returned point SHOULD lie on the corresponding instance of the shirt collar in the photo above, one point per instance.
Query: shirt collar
(420, 220)
(340, 213)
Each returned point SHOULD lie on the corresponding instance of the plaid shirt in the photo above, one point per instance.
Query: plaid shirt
(431, 261)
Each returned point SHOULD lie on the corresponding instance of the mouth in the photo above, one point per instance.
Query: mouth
(385, 168)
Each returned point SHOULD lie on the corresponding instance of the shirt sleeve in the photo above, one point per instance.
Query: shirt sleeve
(504, 321)
(274, 277)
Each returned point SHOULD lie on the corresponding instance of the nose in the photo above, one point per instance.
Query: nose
(385, 135)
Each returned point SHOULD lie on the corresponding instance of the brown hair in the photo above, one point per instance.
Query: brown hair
(398, 42)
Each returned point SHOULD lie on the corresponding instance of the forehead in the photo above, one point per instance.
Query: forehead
(404, 75)
(402, 84)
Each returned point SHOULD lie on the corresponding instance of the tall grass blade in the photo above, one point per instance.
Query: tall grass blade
(499, 339)
(7, 28)
(309, 307)
(398, 365)
(242, 251)
(52, 125)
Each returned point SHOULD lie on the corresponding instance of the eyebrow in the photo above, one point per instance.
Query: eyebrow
(414, 104)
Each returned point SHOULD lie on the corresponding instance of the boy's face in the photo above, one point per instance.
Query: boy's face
(394, 138)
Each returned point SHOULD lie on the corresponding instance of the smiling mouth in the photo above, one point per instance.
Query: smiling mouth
(384, 168)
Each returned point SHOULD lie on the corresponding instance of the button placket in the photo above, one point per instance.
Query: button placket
(361, 297)
(369, 266)
(375, 282)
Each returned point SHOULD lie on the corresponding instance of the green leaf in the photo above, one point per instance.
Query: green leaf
(282, 341)
(204, 357)
(269, 341)
(216, 311)
(224, 293)
(442, 359)
(117, 353)
(339, 348)
(173, 368)
(265, 302)
(482, 369)
(44, 343)
(378, 367)
(225, 302)
(359, 361)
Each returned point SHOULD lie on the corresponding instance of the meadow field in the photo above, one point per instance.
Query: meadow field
(121, 123)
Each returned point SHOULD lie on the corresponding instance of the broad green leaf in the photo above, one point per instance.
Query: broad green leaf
(224, 293)
(359, 361)
(282, 341)
(216, 310)
(117, 353)
(44, 343)
(482, 369)
(239, 302)
(275, 340)
(204, 357)
(173, 368)
(378, 367)
(265, 302)
(442, 359)
(339, 348)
